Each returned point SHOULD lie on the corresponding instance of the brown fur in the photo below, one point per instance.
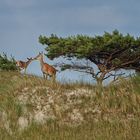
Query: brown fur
(23, 65)
(46, 68)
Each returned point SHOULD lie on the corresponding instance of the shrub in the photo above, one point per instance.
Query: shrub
(7, 63)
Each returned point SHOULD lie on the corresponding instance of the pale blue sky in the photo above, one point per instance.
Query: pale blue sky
(22, 21)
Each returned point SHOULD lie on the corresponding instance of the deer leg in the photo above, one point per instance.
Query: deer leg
(43, 75)
(53, 78)
(46, 76)
(25, 71)
(18, 69)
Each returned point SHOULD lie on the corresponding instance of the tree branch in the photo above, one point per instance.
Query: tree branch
(130, 62)
(114, 75)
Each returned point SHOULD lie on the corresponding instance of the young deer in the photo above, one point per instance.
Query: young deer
(46, 69)
(23, 65)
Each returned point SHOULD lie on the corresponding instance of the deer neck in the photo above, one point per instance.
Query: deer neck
(28, 62)
(41, 62)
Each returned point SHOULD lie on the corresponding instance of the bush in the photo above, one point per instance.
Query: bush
(7, 63)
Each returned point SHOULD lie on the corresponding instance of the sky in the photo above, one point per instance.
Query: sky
(23, 21)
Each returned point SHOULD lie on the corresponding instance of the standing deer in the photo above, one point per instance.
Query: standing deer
(46, 69)
(23, 65)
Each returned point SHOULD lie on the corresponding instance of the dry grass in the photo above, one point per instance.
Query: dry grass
(33, 108)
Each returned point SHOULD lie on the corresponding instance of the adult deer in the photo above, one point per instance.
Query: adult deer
(46, 69)
(23, 65)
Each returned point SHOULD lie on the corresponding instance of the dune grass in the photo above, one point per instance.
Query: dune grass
(112, 112)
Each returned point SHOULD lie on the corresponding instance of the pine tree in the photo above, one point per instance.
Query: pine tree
(109, 52)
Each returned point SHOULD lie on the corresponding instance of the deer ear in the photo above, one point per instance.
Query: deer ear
(29, 58)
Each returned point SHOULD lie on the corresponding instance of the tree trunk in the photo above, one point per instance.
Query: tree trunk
(99, 87)
(100, 79)
(99, 82)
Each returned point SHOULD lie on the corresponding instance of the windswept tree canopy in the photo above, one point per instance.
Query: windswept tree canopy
(110, 52)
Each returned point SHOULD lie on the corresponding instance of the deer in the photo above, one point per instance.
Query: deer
(24, 64)
(46, 69)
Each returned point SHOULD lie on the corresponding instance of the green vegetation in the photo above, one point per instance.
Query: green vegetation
(34, 108)
(74, 111)
(109, 52)
(6, 63)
